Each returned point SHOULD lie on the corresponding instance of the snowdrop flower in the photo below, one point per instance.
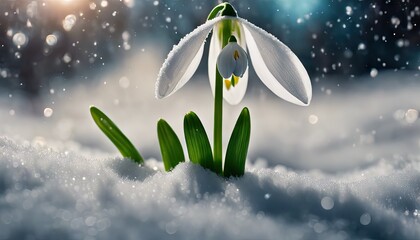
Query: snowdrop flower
(274, 63)
(232, 63)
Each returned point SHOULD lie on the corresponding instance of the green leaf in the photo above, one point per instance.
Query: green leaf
(238, 146)
(114, 134)
(170, 146)
(199, 149)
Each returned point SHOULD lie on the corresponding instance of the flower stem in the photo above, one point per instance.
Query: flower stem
(218, 112)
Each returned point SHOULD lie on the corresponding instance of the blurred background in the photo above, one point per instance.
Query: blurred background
(53, 42)
(58, 57)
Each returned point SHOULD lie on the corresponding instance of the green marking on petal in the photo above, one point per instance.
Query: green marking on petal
(114, 134)
(234, 80)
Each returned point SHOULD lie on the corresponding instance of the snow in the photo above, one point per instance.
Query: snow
(346, 167)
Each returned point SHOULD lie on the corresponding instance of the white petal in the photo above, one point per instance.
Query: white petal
(214, 51)
(277, 66)
(183, 60)
(225, 61)
(241, 63)
(235, 94)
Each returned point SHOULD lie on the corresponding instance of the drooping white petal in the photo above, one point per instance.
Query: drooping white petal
(237, 93)
(183, 60)
(214, 51)
(277, 66)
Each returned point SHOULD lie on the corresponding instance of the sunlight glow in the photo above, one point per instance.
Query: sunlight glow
(66, 3)
(298, 7)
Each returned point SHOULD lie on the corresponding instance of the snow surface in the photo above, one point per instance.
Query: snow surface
(346, 167)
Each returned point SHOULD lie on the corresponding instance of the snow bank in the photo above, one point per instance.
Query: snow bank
(46, 194)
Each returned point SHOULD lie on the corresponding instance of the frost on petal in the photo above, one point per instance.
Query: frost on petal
(277, 66)
(183, 60)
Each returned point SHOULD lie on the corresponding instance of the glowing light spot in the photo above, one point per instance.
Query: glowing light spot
(3, 73)
(155, 3)
(327, 203)
(124, 82)
(51, 40)
(365, 219)
(20, 39)
(349, 10)
(48, 112)
(319, 227)
(395, 21)
(66, 58)
(126, 36)
(373, 72)
(313, 119)
(298, 8)
(411, 115)
(171, 228)
(92, 6)
(90, 221)
(69, 22)
(129, 3)
(104, 4)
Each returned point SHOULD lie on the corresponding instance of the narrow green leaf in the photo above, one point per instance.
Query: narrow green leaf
(199, 149)
(238, 146)
(170, 146)
(114, 134)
